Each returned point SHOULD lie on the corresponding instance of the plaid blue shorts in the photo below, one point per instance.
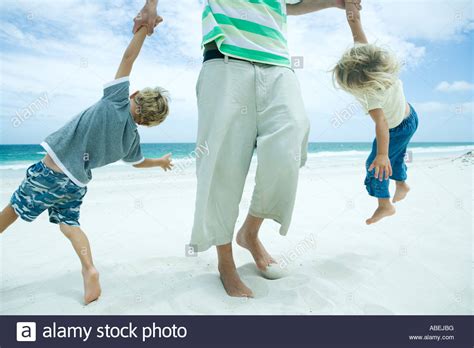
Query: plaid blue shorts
(44, 189)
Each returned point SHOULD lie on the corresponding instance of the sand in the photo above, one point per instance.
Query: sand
(138, 222)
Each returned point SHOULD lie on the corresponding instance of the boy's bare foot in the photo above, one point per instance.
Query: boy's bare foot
(385, 209)
(92, 288)
(401, 191)
(251, 242)
(233, 285)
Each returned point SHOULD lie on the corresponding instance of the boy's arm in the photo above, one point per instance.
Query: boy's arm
(131, 53)
(308, 6)
(353, 18)
(381, 163)
(163, 162)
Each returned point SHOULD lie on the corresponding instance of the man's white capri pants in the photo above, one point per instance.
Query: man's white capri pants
(241, 106)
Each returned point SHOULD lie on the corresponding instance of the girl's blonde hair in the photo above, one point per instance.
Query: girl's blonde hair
(366, 69)
(152, 105)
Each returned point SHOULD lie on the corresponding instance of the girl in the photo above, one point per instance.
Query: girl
(370, 73)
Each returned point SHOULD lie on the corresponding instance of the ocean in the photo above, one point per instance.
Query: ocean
(19, 156)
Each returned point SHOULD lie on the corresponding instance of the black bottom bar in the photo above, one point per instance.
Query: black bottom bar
(237, 331)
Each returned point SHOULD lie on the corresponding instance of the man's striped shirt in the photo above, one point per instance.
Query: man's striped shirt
(253, 30)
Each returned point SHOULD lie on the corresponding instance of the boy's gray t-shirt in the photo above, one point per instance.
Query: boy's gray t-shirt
(102, 134)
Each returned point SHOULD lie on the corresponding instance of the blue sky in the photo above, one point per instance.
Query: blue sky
(56, 55)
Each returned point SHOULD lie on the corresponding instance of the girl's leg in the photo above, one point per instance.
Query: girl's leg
(379, 190)
(248, 239)
(384, 209)
(82, 247)
(401, 191)
(7, 217)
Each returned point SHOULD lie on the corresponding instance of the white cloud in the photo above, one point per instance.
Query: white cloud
(456, 86)
(46, 41)
(448, 109)
(432, 20)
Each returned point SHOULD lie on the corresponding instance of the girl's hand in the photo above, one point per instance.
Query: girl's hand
(382, 166)
(165, 162)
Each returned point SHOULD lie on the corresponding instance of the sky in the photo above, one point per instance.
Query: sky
(57, 55)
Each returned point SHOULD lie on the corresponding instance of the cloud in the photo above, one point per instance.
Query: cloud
(448, 109)
(433, 20)
(69, 48)
(456, 86)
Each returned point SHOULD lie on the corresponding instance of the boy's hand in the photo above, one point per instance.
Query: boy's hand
(342, 4)
(165, 162)
(147, 17)
(382, 166)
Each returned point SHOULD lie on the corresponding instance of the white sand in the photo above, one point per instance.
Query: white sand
(417, 262)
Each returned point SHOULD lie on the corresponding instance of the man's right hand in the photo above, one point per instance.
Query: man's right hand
(148, 17)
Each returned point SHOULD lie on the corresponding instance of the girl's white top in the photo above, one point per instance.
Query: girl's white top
(392, 101)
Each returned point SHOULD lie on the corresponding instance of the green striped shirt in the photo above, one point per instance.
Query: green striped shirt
(253, 30)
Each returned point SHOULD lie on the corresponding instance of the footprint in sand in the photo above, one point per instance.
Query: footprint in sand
(293, 281)
(315, 301)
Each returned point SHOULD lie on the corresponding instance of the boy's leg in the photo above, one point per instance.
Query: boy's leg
(7, 217)
(82, 247)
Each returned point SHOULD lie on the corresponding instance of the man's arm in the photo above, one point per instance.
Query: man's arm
(163, 162)
(308, 6)
(131, 53)
(353, 18)
(147, 16)
(381, 163)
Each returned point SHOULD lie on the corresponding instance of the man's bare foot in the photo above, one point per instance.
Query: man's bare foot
(233, 285)
(401, 191)
(251, 242)
(385, 209)
(92, 288)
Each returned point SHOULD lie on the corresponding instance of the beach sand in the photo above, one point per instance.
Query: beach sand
(138, 222)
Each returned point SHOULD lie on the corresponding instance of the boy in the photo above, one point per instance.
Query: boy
(104, 133)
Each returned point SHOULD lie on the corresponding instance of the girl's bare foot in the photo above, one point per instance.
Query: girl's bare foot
(385, 209)
(401, 191)
(250, 241)
(233, 285)
(92, 288)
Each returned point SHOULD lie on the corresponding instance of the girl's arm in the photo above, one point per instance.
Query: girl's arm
(381, 163)
(163, 162)
(308, 6)
(353, 18)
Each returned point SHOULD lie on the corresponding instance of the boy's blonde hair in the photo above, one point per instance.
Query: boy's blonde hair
(152, 105)
(366, 69)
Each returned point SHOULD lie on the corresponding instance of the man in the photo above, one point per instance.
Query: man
(248, 97)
